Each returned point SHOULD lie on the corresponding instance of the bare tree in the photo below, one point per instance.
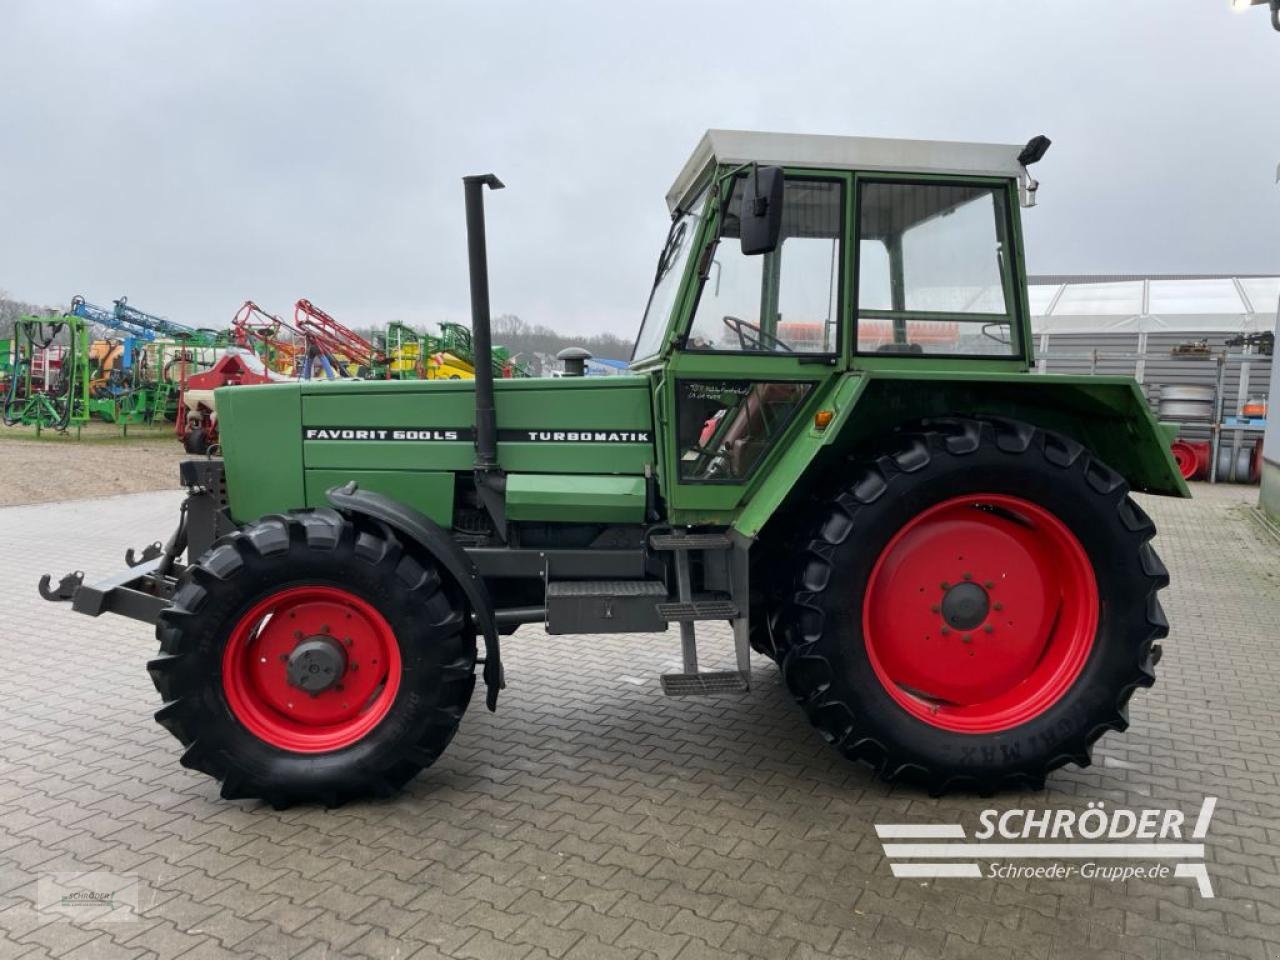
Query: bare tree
(11, 310)
(509, 327)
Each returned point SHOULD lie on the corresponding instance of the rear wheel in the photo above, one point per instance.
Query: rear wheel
(305, 659)
(976, 608)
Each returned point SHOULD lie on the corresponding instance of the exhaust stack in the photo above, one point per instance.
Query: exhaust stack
(481, 341)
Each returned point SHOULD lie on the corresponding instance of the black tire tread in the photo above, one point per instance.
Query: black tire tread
(809, 675)
(222, 578)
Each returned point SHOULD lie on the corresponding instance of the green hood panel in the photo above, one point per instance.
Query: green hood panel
(260, 428)
(568, 425)
(272, 433)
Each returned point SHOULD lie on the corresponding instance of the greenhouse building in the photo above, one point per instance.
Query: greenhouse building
(1199, 344)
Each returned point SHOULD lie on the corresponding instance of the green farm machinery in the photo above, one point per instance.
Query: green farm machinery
(47, 384)
(830, 438)
(142, 361)
(456, 340)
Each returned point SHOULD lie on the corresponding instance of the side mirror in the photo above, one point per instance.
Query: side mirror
(761, 216)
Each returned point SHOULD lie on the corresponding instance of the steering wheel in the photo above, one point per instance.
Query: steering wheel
(753, 338)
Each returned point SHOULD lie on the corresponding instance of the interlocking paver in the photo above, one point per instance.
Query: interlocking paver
(591, 818)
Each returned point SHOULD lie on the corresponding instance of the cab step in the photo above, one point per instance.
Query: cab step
(704, 684)
(676, 611)
(690, 541)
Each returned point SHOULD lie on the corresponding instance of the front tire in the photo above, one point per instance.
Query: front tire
(975, 608)
(194, 441)
(305, 659)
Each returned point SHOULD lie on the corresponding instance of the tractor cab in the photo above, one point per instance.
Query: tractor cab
(760, 258)
(793, 261)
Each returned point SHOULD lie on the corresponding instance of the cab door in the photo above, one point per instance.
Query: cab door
(758, 349)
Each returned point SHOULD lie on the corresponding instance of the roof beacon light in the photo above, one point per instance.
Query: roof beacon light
(1035, 149)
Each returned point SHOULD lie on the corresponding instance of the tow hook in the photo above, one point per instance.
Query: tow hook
(149, 552)
(65, 590)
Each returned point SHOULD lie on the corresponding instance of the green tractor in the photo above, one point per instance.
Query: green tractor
(831, 438)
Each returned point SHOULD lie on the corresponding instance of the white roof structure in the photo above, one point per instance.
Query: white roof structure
(1138, 303)
(844, 153)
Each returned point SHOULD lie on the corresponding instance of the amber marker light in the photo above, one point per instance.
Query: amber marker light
(822, 419)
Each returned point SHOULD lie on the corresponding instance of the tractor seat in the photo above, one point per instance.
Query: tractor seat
(899, 348)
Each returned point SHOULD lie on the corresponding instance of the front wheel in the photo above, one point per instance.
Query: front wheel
(975, 608)
(305, 659)
(195, 441)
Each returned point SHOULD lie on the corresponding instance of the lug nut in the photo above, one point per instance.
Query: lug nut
(988, 629)
(968, 576)
(945, 585)
(967, 638)
(989, 584)
(935, 608)
(945, 631)
(999, 606)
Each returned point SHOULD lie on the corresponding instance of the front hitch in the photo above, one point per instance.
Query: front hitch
(146, 586)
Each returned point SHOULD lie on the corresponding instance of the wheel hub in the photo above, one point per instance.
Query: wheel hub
(965, 606)
(316, 664)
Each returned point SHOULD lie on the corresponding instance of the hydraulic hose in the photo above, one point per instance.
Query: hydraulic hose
(11, 395)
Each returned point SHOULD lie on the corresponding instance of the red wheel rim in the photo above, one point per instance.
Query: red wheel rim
(265, 645)
(980, 613)
(1185, 456)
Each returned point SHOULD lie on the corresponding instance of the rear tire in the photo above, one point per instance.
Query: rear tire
(230, 663)
(889, 680)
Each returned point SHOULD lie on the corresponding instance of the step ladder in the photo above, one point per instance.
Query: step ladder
(687, 610)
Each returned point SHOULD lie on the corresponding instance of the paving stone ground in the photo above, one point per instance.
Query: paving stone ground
(592, 818)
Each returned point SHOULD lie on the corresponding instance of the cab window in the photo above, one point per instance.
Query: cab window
(782, 302)
(726, 426)
(933, 269)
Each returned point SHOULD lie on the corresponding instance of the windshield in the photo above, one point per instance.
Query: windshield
(785, 301)
(671, 264)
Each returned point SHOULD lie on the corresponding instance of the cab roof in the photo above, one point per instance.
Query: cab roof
(843, 153)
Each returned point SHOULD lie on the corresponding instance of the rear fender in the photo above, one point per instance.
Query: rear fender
(1108, 415)
(420, 529)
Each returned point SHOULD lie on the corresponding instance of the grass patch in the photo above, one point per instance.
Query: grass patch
(92, 432)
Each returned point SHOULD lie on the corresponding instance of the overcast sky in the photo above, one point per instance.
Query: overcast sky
(195, 154)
